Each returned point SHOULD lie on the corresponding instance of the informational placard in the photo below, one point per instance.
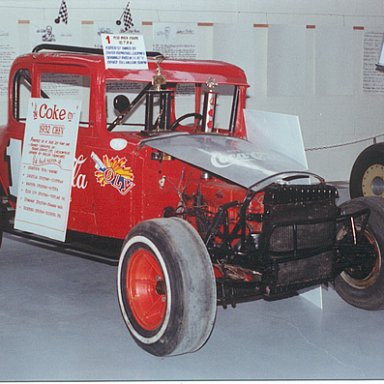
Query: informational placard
(373, 80)
(47, 167)
(124, 51)
(93, 29)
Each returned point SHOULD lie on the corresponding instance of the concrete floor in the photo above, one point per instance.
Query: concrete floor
(60, 321)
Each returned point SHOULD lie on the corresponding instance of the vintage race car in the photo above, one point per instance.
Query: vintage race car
(167, 184)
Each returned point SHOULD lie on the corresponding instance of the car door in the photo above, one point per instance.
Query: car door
(74, 82)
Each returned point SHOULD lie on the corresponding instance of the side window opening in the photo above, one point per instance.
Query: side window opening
(22, 91)
(68, 86)
(135, 122)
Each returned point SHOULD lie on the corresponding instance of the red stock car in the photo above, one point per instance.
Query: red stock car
(166, 184)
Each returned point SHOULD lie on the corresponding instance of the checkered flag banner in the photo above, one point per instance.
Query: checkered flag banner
(63, 13)
(127, 18)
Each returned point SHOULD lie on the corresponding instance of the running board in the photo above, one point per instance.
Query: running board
(77, 246)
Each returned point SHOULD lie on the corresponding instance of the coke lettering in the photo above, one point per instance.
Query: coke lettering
(79, 179)
(52, 113)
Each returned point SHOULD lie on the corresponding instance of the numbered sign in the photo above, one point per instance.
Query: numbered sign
(124, 51)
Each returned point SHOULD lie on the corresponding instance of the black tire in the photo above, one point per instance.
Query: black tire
(367, 175)
(166, 287)
(364, 288)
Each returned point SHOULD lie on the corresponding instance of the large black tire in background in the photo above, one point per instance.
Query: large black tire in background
(367, 175)
(364, 287)
(166, 287)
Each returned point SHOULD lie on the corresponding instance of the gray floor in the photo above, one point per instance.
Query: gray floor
(60, 321)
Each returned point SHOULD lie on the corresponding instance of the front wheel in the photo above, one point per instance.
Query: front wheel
(363, 285)
(166, 287)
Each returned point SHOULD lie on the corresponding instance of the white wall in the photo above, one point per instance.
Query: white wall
(303, 57)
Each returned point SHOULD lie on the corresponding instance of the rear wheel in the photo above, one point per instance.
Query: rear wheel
(363, 285)
(367, 175)
(166, 287)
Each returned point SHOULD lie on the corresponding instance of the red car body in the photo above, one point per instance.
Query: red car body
(98, 208)
(166, 182)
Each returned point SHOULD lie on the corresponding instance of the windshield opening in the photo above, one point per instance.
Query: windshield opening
(135, 121)
(192, 107)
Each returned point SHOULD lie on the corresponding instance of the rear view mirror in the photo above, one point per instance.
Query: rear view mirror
(121, 103)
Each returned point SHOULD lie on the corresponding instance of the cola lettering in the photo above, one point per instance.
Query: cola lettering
(52, 113)
(79, 179)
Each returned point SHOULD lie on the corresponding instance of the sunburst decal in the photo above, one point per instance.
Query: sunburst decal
(113, 171)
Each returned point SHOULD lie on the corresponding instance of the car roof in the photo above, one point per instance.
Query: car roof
(178, 71)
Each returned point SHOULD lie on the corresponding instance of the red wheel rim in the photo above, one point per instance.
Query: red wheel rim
(146, 289)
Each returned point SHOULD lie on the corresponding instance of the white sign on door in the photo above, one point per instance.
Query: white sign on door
(46, 168)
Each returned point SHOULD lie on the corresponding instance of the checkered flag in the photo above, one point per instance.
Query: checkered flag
(127, 18)
(63, 13)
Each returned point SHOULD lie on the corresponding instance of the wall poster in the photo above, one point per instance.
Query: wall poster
(287, 60)
(50, 33)
(8, 53)
(175, 40)
(373, 80)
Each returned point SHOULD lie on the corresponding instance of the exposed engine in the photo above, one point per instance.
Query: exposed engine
(275, 242)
